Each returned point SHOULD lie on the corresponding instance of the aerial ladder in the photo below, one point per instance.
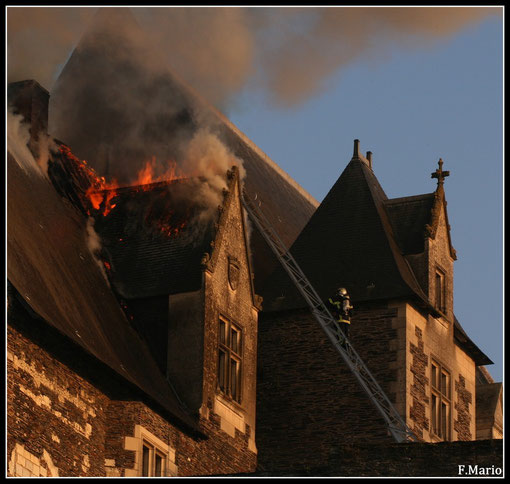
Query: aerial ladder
(395, 423)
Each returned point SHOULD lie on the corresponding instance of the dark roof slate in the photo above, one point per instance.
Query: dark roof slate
(487, 397)
(408, 217)
(348, 242)
(148, 251)
(50, 265)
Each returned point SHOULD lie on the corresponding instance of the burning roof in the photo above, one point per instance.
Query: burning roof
(155, 237)
(154, 233)
(116, 109)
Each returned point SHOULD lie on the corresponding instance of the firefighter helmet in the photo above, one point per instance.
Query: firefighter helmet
(342, 292)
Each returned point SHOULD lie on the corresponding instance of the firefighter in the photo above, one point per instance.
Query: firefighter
(341, 309)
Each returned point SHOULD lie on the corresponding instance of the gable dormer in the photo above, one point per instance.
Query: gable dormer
(421, 228)
(440, 252)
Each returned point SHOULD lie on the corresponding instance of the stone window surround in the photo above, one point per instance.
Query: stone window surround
(434, 361)
(230, 420)
(135, 443)
(25, 464)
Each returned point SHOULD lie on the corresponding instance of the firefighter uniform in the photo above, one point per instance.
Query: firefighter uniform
(341, 308)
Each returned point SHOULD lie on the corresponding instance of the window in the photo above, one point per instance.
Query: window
(440, 400)
(230, 360)
(440, 291)
(153, 461)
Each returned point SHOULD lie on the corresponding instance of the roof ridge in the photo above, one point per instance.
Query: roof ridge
(409, 198)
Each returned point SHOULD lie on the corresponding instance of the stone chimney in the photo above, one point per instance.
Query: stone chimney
(369, 159)
(30, 100)
(355, 154)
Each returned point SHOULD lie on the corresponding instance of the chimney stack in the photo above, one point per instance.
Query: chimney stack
(369, 159)
(30, 100)
(355, 154)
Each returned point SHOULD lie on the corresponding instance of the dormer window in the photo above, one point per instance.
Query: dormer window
(440, 291)
(230, 359)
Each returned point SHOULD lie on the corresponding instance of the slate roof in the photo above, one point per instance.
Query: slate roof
(145, 259)
(349, 241)
(408, 217)
(487, 397)
(50, 265)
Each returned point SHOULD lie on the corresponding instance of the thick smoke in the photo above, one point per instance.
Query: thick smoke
(39, 40)
(207, 157)
(289, 51)
(95, 246)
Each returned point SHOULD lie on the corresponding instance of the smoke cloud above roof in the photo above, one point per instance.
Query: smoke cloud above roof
(289, 52)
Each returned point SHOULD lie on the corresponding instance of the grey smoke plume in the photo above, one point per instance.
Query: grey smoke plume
(18, 140)
(95, 246)
(289, 51)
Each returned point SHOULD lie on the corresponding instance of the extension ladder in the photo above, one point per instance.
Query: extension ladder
(396, 425)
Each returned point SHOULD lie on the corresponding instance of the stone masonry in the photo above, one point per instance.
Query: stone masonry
(62, 424)
(307, 397)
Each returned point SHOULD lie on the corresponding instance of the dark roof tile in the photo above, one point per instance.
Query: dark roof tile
(408, 217)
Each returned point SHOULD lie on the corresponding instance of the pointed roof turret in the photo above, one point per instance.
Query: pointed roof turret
(348, 242)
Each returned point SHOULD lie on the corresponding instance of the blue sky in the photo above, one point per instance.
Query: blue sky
(416, 105)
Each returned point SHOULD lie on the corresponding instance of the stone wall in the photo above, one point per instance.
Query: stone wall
(131, 423)
(445, 459)
(431, 339)
(420, 387)
(67, 415)
(52, 413)
(308, 398)
(462, 424)
(229, 295)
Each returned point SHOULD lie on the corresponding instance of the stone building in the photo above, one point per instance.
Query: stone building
(138, 358)
(396, 258)
(138, 343)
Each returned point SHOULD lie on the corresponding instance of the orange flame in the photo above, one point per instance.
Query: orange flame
(147, 174)
(100, 194)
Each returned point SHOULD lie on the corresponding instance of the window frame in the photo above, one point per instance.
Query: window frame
(440, 292)
(441, 401)
(229, 353)
(153, 452)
